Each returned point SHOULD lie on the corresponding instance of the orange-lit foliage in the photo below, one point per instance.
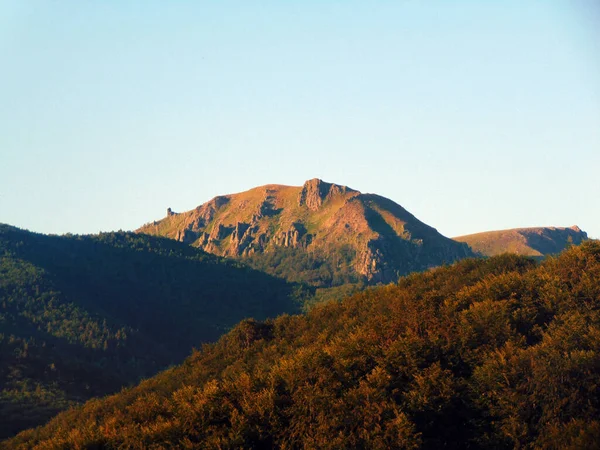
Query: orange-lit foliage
(497, 353)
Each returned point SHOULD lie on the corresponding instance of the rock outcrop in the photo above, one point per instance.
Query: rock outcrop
(295, 237)
(315, 192)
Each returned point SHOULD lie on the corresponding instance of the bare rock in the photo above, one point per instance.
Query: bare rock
(295, 237)
(241, 238)
(186, 236)
(315, 192)
(220, 232)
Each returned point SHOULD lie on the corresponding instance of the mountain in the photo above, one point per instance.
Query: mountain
(535, 242)
(321, 233)
(491, 353)
(82, 316)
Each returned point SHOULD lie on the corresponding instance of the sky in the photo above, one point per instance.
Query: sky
(473, 115)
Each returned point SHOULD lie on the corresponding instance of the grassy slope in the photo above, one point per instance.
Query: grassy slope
(497, 353)
(536, 242)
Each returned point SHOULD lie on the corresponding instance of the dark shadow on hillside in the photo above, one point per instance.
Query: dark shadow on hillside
(62, 295)
(550, 241)
(177, 295)
(70, 369)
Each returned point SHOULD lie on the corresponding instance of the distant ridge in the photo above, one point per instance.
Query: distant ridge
(321, 233)
(536, 241)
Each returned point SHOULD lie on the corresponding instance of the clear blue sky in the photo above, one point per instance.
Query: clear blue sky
(473, 115)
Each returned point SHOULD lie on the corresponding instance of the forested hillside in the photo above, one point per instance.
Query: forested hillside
(82, 316)
(487, 354)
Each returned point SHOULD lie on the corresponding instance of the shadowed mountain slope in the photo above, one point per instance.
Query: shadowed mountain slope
(495, 353)
(321, 233)
(536, 242)
(82, 316)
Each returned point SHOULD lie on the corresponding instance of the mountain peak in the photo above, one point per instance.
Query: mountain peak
(314, 192)
(320, 232)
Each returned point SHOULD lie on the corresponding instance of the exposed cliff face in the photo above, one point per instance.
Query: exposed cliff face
(536, 242)
(381, 239)
(315, 192)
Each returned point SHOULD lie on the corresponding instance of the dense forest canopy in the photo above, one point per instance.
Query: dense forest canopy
(82, 316)
(485, 354)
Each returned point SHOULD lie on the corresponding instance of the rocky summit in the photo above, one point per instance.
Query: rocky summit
(370, 236)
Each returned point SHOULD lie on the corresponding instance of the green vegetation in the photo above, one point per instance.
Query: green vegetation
(330, 267)
(83, 316)
(486, 354)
